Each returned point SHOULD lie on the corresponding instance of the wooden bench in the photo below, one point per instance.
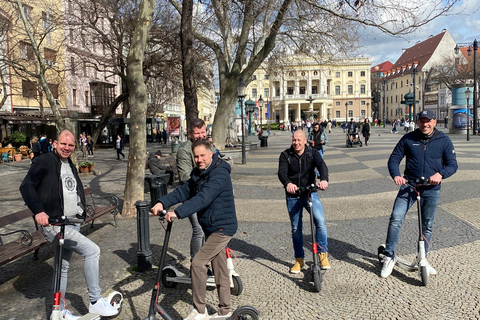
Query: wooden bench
(32, 241)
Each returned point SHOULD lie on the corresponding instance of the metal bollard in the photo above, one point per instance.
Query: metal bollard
(144, 253)
(158, 186)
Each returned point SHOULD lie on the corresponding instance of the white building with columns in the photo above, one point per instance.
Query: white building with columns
(306, 87)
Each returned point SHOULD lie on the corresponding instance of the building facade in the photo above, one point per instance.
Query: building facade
(308, 88)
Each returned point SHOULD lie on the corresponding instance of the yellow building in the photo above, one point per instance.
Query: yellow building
(306, 87)
(28, 100)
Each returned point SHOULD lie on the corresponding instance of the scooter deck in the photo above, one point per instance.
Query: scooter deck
(91, 316)
(188, 280)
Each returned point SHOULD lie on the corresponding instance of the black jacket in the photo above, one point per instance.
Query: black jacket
(210, 194)
(300, 170)
(42, 188)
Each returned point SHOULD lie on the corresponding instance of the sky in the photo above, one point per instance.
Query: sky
(464, 28)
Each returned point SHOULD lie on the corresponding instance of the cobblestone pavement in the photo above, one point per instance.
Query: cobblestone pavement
(357, 205)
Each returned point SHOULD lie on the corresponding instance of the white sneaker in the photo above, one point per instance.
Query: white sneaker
(388, 264)
(217, 316)
(67, 315)
(431, 270)
(103, 308)
(195, 315)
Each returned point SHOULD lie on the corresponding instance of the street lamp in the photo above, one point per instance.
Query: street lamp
(241, 95)
(260, 104)
(346, 112)
(475, 96)
(384, 82)
(368, 105)
(468, 94)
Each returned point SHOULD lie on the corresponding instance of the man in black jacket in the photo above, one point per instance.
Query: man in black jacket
(51, 189)
(209, 193)
(296, 169)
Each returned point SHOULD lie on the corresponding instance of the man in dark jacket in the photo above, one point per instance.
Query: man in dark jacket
(51, 189)
(209, 193)
(429, 155)
(296, 170)
(158, 166)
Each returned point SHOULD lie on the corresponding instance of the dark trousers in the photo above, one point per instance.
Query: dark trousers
(119, 152)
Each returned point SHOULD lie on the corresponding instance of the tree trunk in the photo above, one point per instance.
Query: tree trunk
(188, 64)
(107, 114)
(138, 109)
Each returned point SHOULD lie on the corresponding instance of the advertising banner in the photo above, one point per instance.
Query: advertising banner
(173, 126)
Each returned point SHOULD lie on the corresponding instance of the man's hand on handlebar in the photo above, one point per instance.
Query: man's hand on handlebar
(400, 181)
(435, 179)
(156, 209)
(42, 219)
(170, 216)
(291, 188)
(322, 185)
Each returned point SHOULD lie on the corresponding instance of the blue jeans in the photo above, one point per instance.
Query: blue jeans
(295, 210)
(198, 237)
(406, 197)
(78, 243)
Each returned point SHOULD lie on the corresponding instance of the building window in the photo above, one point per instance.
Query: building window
(362, 102)
(53, 87)
(362, 73)
(84, 68)
(350, 102)
(28, 12)
(350, 73)
(289, 90)
(362, 113)
(457, 61)
(86, 98)
(254, 92)
(266, 77)
(350, 89)
(401, 84)
(302, 90)
(74, 96)
(396, 98)
(315, 73)
(314, 89)
(303, 73)
(362, 89)
(337, 74)
(254, 77)
(337, 90)
(290, 74)
(28, 89)
(277, 91)
(406, 82)
(71, 36)
(72, 62)
(26, 51)
(266, 92)
(350, 113)
(337, 114)
(337, 103)
(50, 56)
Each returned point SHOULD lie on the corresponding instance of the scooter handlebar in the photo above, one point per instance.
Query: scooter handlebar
(418, 182)
(310, 188)
(65, 220)
(162, 214)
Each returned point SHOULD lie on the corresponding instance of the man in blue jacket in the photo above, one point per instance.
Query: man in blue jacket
(429, 155)
(209, 193)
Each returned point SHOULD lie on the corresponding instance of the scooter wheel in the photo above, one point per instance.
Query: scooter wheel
(115, 299)
(381, 253)
(170, 274)
(243, 313)
(317, 280)
(424, 275)
(237, 288)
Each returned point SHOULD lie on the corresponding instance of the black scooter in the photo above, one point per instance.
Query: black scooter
(241, 313)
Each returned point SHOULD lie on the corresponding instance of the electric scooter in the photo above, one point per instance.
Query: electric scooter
(115, 298)
(316, 270)
(241, 313)
(420, 262)
(171, 276)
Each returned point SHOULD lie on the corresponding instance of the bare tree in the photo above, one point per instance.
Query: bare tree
(138, 103)
(242, 34)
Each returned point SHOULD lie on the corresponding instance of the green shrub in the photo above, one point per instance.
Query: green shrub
(18, 139)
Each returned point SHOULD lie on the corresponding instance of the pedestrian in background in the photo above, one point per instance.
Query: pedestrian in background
(366, 130)
(165, 136)
(119, 145)
(89, 145)
(35, 146)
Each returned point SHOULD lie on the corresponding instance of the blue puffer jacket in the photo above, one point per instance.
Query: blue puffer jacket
(210, 194)
(424, 157)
